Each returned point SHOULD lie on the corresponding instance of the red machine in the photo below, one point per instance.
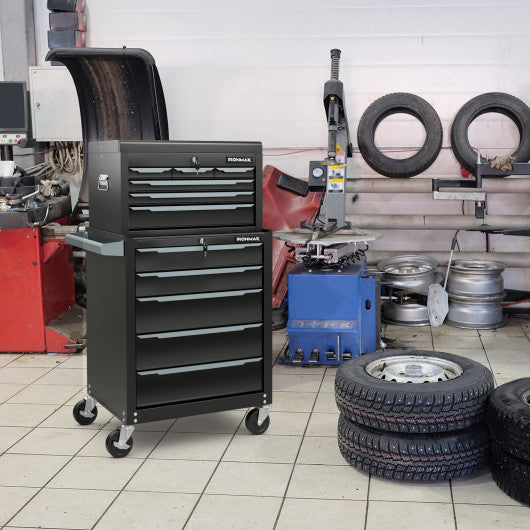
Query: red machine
(37, 293)
(283, 210)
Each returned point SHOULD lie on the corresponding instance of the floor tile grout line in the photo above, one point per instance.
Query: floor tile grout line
(201, 495)
(486, 354)
(133, 475)
(367, 501)
(38, 424)
(453, 503)
(55, 474)
(38, 378)
(299, 449)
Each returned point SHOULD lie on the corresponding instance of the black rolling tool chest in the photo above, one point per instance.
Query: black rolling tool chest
(178, 284)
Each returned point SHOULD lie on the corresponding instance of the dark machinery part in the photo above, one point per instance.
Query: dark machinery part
(108, 81)
(330, 175)
(472, 187)
(14, 117)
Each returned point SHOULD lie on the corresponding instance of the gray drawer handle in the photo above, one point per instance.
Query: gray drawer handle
(213, 195)
(190, 208)
(190, 182)
(201, 367)
(150, 169)
(199, 296)
(234, 169)
(193, 170)
(197, 272)
(196, 248)
(195, 332)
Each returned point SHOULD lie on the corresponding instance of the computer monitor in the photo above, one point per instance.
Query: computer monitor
(14, 122)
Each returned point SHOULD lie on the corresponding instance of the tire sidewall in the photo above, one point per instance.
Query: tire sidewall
(355, 370)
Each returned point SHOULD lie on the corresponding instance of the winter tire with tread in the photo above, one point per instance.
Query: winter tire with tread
(406, 407)
(415, 458)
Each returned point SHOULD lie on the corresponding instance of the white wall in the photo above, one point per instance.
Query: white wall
(237, 70)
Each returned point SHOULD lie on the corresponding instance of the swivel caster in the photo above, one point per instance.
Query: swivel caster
(85, 411)
(119, 442)
(257, 420)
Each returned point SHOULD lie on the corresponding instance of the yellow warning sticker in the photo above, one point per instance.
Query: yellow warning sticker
(336, 180)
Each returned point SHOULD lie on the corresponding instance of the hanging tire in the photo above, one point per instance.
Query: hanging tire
(512, 475)
(505, 104)
(418, 458)
(509, 418)
(413, 391)
(380, 109)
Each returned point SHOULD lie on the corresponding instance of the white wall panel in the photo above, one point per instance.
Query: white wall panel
(237, 70)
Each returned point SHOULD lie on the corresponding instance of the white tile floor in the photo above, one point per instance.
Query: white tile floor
(207, 472)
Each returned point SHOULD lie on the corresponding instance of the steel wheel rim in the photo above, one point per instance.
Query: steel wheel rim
(414, 369)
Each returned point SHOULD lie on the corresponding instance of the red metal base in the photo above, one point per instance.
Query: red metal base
(36, 286)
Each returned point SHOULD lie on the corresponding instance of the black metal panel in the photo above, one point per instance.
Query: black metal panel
(228, 343)
(179, 312)
(192, 383)
(195, 257)
(199, 281)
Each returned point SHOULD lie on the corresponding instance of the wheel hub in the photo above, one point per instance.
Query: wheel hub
(414, 369)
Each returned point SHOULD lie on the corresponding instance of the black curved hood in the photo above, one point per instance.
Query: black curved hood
(120, 96)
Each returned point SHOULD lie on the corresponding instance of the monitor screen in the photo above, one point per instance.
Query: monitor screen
(13, 107)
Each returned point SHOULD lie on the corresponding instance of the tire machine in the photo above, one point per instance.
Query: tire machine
(333, 302)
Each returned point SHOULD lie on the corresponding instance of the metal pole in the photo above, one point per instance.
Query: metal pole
(435, 222)
(423, 185)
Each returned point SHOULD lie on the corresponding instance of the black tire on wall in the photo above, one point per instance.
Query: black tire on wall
(412, 407)
(418, 458)
(509, 418)
(505, 104)
(385, 106)
(512, 475)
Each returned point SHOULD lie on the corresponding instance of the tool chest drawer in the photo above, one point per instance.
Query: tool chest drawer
(190, 216)
(198, 346)
(173, 385)
(189, 311)
(198, 280)
(180, 198)
(139, 185)
(196, 257)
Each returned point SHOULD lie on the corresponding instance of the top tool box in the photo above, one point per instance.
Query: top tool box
(178, 284)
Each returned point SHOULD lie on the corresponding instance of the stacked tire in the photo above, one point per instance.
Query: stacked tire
(509, 424)
(413, 415)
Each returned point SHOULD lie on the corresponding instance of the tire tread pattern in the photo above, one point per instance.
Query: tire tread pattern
(419, 459)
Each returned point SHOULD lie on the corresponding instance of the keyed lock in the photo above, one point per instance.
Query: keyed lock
(204, 244)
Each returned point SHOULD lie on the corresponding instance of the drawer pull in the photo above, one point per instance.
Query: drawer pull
(197, 272)
(150, 169)
(234, 169)
(197, 248)
(193, 169)
(190, 182)
(201, 367)
(194, 332)
(190, 208)
(200, 296)
(192, 195)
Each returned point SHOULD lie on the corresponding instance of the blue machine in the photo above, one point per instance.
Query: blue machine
(332, 314)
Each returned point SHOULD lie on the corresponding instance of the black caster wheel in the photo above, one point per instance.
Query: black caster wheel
(83, 420)
(251, 422)
(116, 452)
